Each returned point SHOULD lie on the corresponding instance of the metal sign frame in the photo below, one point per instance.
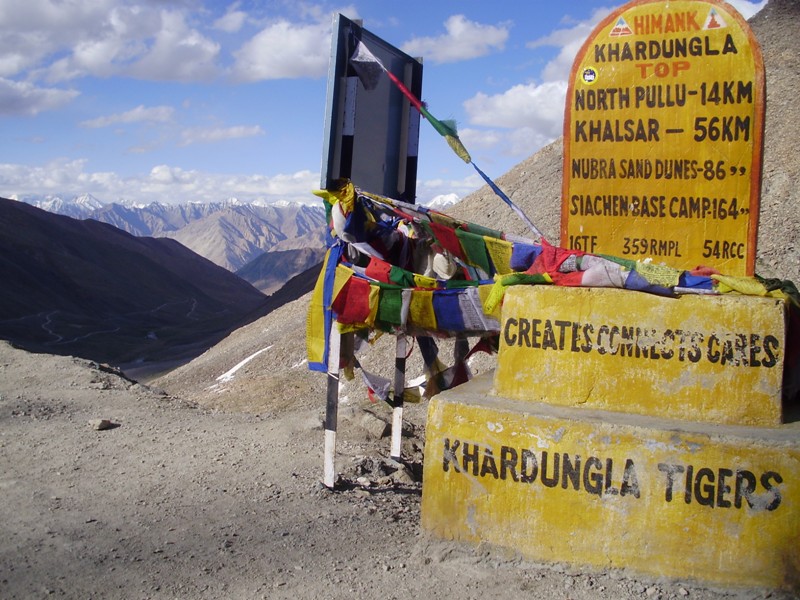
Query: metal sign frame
(371, 137)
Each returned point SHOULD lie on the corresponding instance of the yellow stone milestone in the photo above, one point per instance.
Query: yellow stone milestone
(669, 498)
(700, 358)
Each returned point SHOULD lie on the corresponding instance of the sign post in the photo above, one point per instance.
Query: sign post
(663, 137)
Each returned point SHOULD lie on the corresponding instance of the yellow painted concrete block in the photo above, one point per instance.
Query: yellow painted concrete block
(718, 504)
(717, 359)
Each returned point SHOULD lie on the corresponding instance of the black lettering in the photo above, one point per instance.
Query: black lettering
(510, 340)
(551, 480)
(524, 330)
(574, 347)
(603, 332)
(771, 345)
(571, 473)
(489, 466)
(771, 489)
(470, 457)
(704, 492)
(730, 46)
(714, 355)
(508, 462)
(529, 468)
(671, 471)
(687, 490)
(535, 333)
(609, 489)
(755, 350)
(630, 482)
(723, 488)
(745, 487)
(593, 476)
(549, 337)
(449, 455)
(588, 329)
(562, 326)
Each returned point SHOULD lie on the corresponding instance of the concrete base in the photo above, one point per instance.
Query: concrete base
(718, 359)
(719, 504)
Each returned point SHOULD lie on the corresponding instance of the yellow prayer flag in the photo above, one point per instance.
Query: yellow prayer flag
(374, 299)
(749, 286)
(346, 195)
(658, 274)
(316, 336)
(420, 310)
(421, 281)
(500, 253)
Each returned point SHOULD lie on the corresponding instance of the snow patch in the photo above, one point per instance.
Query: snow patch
(228, 375)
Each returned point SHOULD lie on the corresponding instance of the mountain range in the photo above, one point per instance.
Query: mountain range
(228, 233)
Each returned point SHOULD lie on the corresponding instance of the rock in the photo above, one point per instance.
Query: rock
(102, 424)
(403, 476)
(374, 425)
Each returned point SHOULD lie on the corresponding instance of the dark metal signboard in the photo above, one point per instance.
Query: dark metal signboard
(371, 136)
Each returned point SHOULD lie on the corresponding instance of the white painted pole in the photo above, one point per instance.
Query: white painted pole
(332, 406)
(399, 386)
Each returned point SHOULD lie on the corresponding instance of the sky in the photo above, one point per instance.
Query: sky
(199, 101)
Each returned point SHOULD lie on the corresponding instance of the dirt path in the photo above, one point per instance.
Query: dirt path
(177, 501)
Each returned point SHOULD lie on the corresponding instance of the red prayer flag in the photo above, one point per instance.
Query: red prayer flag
(352, 303)
(378, 270)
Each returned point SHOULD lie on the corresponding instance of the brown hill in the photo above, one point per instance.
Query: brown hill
(270, 271)
(90, 289)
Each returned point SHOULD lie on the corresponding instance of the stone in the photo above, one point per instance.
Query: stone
(102, 424)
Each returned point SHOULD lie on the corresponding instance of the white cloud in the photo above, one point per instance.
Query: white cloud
(164, 183)
(23, 98)
(463, 40)
(524, 105)
(284, 50)
(476, 139)
(569, 40)
(178, 53)
(34, 29)
(216, 134)
(157, 114)
(24, 180)
(57, 41)
(232, 21)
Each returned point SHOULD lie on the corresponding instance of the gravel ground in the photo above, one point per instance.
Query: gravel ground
(178, 500)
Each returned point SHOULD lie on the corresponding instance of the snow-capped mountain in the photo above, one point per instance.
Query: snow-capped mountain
(230, 233)
(443, 201)
(78, 207)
